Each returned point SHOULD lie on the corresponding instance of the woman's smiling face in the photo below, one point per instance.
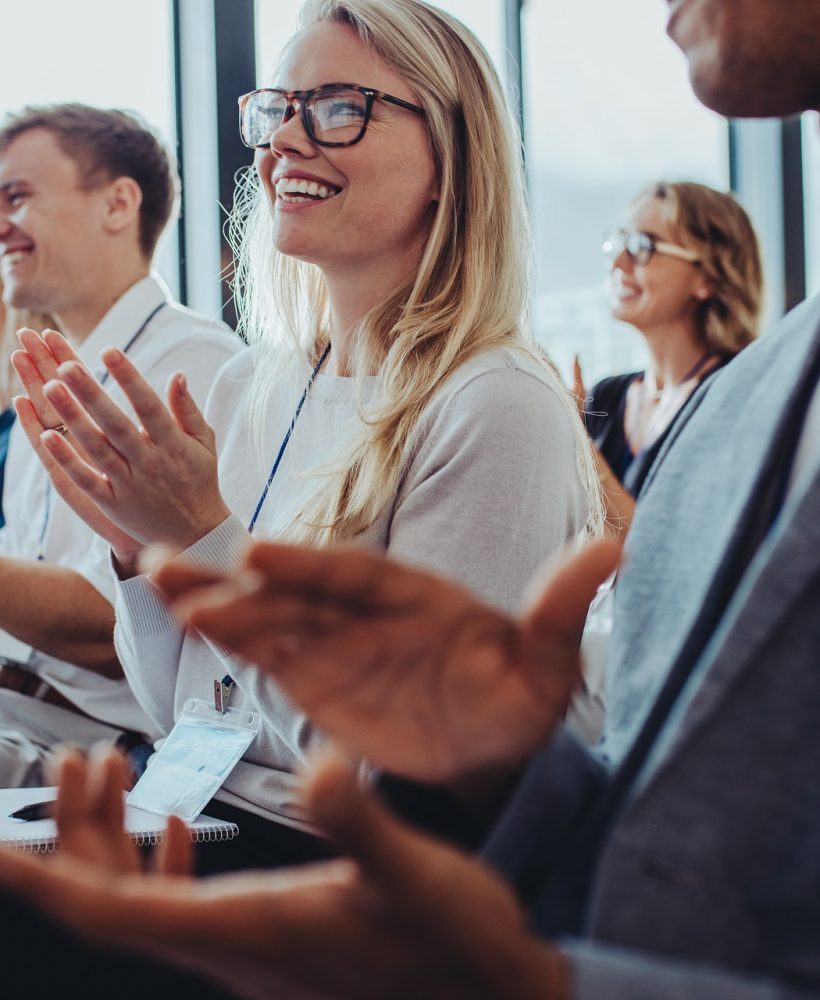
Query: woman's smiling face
(663, 293)
(363, 206)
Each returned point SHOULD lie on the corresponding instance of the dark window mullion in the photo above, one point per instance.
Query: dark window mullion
(794, 227)
(177, 72)
(235, 44)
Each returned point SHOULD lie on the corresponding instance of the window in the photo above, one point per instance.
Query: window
(275, 23)
(811, 199)
(486, 19)
(608, 109)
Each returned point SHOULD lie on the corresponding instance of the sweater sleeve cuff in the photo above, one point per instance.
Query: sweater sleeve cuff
(222, 549)
(143, 606)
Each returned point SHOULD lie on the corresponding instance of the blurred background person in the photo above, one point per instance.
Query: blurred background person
(686, 272)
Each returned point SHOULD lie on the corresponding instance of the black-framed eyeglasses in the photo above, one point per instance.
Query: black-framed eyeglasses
(335, 114)
(641, 247)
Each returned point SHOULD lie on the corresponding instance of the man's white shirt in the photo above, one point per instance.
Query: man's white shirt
(38, 521)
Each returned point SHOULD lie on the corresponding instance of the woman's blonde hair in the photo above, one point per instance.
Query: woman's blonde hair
(717, 228)
(470, 292)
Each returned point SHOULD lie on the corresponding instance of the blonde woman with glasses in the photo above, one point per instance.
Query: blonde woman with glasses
(686, 273)
(391, 397)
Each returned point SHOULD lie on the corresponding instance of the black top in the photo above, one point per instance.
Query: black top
(605, 424)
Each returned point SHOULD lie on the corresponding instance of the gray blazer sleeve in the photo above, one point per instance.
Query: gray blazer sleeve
(617, 974)
(540, 819)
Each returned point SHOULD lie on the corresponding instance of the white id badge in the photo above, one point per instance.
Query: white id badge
(196, 758)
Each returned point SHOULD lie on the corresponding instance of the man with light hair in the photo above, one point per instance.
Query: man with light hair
(85, 195)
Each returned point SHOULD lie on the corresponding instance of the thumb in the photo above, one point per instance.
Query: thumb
(185, 411)
(578, 378)
(386, 850)
(175, 855)
(560, 609)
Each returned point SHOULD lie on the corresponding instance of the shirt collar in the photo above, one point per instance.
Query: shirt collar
(123, 319)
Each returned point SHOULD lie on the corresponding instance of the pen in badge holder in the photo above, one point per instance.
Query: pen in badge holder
(222, 693)
(34, 811)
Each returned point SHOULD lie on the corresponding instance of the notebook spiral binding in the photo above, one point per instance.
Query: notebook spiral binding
(30, 846)
(49, 843)
(40, 836)
(200, 835)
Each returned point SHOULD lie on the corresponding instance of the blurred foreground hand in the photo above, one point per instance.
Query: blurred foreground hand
(401, 667)
(404, 917)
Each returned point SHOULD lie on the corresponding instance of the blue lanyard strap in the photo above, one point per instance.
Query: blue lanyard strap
(285, 440)
(224, 689)
(104, 375)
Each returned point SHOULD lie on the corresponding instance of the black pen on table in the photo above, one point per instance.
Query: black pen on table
(36, 810)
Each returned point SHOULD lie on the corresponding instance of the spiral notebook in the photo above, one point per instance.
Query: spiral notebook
(41, 835)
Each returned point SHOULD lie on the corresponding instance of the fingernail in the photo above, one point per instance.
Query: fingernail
(182, 382)
(68, 370)
(112, 356)
(55, 390)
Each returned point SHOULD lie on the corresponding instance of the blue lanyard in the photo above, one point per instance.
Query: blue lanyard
(286, 440)
(224, 689)
(103, 378)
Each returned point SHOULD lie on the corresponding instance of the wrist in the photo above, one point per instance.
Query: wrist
(125, 562)
(560, 974)
(203, 527)
(545, 975)
(535, 970)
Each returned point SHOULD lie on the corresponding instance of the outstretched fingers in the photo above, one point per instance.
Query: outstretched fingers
(350, 576)
(92, 483)
(36, 346)
(185, 411)
(175, 854)
(99, 424)
(59, 347)
(90, 808)
(35, 366)
(151, 412)
(385, 850)
(455, 916)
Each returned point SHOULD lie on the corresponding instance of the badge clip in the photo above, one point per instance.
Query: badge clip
(222, 693)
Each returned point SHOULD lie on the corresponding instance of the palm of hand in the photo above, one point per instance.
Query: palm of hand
(165, 491)
(405, 668)
(457, 684)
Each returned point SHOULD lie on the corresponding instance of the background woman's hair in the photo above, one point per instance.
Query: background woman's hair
(471, 290)
(717, 228)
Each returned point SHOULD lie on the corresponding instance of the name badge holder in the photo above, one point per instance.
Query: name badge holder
(195, 760)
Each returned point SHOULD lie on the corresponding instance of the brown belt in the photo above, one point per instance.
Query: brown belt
(16, 677)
